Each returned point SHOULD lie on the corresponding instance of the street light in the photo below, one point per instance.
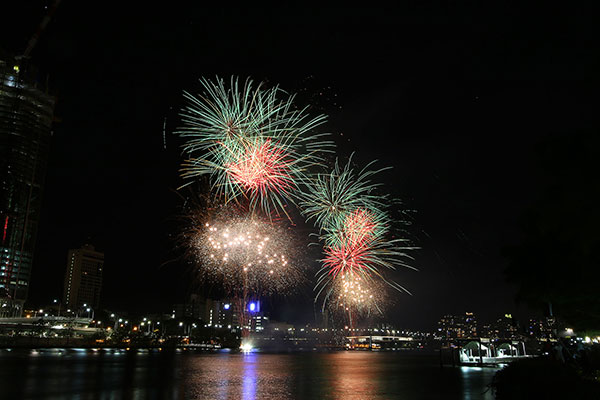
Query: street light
(59, 305)
(88, 309)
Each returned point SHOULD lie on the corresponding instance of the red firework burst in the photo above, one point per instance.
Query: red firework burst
(359, 226)
(347, 258)
(262, 168)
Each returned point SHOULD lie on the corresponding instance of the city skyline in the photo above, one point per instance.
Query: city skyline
(461, 141)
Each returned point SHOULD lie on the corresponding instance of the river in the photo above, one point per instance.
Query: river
(153, 374)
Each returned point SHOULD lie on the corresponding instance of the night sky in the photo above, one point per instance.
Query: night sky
(455, 99)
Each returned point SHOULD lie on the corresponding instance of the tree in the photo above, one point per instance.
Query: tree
(557, 264)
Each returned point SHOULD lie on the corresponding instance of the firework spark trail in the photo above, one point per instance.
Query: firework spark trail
(367, 260)
(355, 229)
(350, 258)
(350, 273)
(262, 168)
(330, 197)
(252, 142)
(356, 296)
(360, 225)
(246, 254)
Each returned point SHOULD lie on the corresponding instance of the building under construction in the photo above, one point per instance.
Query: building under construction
(26, 114)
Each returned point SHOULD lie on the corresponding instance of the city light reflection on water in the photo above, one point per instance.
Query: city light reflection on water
(110, 374)
(353, 376)
(249, 389)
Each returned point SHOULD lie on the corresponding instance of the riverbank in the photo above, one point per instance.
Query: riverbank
(544, 378)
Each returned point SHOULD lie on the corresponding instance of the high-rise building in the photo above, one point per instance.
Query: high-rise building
(218, 313)
(26, 114)
(83, 278)
(503, 328)
(457, 326)
(542, 328)
(507, 328)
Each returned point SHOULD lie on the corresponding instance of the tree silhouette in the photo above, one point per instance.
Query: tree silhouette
(557, 264)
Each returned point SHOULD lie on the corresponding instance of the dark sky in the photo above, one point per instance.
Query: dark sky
(455, 99)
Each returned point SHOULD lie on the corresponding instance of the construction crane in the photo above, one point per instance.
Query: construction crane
(40, 29)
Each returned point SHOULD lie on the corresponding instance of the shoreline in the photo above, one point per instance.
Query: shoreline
(214, 349)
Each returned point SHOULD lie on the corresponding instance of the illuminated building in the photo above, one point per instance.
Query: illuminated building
(506, 327)
(83, 278)
(26, 113)
(212, 312)
(457, 326)
(503, 328)
(194, 308)
(542, 328)
(258, 322)
(470, 325)
(219, 313)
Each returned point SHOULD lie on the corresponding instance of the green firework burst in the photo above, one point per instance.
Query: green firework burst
(252, 141)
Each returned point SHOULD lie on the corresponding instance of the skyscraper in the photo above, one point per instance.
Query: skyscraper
(458, 326)
(83, 278)
(26, 113)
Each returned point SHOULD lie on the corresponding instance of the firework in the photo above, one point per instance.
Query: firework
(251, 141)
(364, 260)
(246, 254)
(352, 229)
(355, 231)
(331, 197)
(355, 296)
(262, 168)
(360, 225)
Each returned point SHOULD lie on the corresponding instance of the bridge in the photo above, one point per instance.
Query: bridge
(375, 342)
(52, 321)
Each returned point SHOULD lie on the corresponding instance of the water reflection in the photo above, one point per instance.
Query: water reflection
(354, 376)
(238, 376)
(108, 374)
(476, 382)
(249, 388)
